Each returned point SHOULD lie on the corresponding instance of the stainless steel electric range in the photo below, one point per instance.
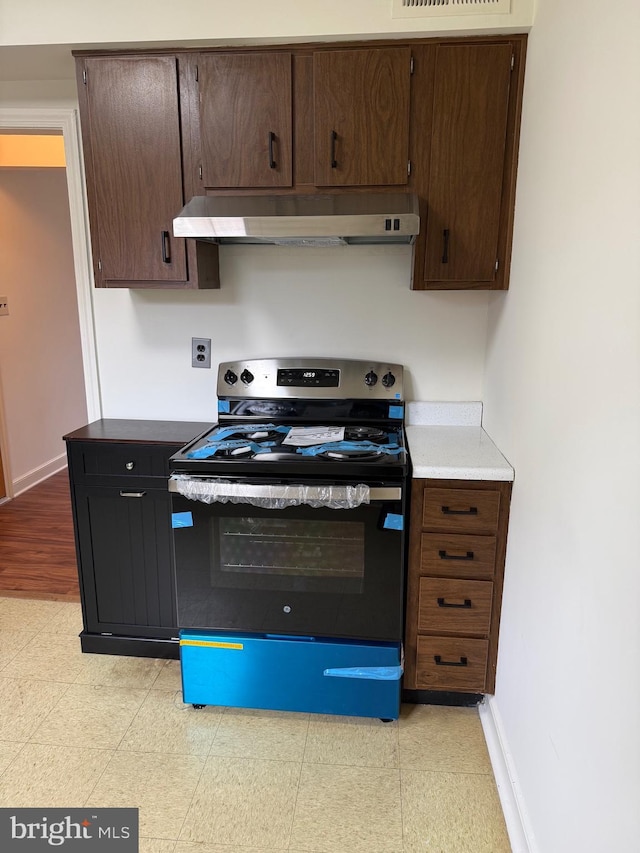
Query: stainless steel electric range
(289, 520)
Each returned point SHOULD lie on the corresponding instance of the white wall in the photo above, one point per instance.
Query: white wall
(351, 302)
(562, 401)
(39, 22)
(40, 353)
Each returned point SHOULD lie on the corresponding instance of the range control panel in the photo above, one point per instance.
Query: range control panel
(308, 377)
(320, 378)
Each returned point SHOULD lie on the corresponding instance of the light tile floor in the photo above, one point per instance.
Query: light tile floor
(96, 730)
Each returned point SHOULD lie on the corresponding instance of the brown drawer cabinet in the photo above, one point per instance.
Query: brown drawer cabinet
(457, 544)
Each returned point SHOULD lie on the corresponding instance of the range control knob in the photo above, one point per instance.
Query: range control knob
(371, 378)
(388, 380)
(247, 377)
(230, 377)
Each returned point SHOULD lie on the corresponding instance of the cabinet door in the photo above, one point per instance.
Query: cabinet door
(361, 110)
(126, 567)
(131, 132)
(464, 195)
(245, 119)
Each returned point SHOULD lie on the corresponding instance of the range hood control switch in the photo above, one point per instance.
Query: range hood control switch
(247, 377)
(370, 379)
(388, 380)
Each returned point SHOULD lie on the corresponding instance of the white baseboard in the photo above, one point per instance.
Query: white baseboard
(511, 800)
(37, 475)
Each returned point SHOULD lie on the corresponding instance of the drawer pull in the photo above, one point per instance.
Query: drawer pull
(465, 606)
(132, 494)
(444, 556)
(473, 510)
(439, 662)
(129, 466)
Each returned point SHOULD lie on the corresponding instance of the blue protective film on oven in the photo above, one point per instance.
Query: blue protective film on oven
(342, 446)
(210, 450)
(375, 673)
(181, 519)
(396, 412)
(223, 432)
(393, 521)
(223, 406)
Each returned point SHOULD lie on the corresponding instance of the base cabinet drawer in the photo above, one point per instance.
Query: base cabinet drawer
(457, 555)
(461, 510)
(454, 606)
(451, 663)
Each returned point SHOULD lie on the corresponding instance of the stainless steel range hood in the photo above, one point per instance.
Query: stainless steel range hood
(301, 219)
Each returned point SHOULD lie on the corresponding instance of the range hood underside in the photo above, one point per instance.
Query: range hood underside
(338, 219)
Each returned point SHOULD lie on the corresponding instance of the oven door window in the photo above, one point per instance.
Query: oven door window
(300, 570)
(278, 553)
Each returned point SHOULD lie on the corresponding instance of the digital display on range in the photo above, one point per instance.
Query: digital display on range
(305, 377)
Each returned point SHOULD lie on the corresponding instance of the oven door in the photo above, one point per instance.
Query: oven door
(303, 570)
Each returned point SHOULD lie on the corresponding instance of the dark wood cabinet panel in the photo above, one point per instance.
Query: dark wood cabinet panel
(131, 131)
(468, 138)
(245, 119)
(361, 111)
(134, 128)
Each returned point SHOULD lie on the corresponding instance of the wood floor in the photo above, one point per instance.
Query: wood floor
(37, 550)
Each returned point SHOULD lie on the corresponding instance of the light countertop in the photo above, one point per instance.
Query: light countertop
(451, 451)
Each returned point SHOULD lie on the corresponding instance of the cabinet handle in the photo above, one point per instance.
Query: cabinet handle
(272, 139)
(473, 510)
(129, 465)
(445, 246)
(444, 556)
(443, 603)
(124, 494)
(334, 139)
(166, 248)
(439, 662)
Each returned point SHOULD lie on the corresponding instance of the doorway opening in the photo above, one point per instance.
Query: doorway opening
(48, 370)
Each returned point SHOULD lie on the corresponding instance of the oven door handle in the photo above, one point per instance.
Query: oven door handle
(239, 491)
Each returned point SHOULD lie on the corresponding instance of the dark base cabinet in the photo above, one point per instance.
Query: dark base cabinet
(122, 519)
(125, 537)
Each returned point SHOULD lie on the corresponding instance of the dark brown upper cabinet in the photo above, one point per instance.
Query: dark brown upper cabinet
(467, 176)
(245, 119)
(130, 120)
(439, 117)
(361, 116)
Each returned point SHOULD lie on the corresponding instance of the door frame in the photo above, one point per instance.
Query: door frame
(66, 120)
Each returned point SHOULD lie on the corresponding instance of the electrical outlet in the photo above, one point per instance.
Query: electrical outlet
(200, 352)
(4, 305)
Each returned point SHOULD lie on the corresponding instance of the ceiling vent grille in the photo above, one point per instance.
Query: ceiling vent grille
(433, 8)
